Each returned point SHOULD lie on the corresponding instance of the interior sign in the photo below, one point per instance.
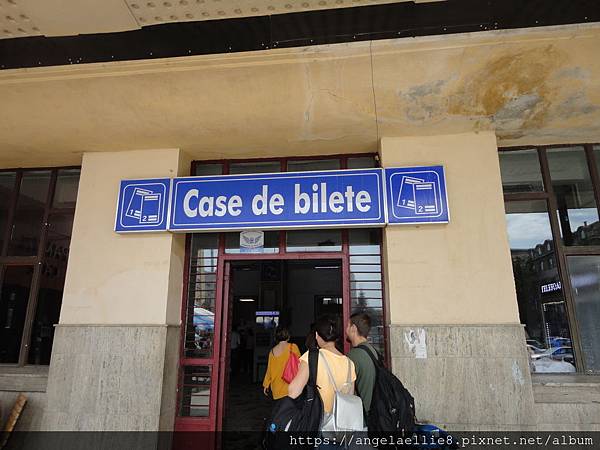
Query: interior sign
(280, 200)
(285, 200)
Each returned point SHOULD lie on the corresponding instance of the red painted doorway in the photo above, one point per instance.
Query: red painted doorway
(213, 262)
(263, 295)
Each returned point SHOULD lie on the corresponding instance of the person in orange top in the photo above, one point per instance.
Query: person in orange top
(278, 357)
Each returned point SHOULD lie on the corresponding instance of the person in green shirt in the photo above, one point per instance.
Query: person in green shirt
(357, 333)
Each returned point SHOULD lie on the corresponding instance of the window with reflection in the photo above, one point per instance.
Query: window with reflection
(250, 167)
(65, 192)
(314, 241)
(195, 386)
(540, 296)
(574, 193)
(14, 297)
(362, 162)
(29, 213)
(312, 164)
(552, 196)
(202, 290)
(52, 280)
(584, 273)
(366, 288)
(520, 171)
(7, 189)
(36, 209)
(205, 169)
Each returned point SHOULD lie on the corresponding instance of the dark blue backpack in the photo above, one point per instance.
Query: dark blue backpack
(392, 408)
(301, 416)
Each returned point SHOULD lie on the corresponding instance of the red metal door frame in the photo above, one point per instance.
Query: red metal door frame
(227, 308)
(219, 359)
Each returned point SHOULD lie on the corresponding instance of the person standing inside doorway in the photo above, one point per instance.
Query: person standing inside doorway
(278, 357)
(235, 350)
(357, 333)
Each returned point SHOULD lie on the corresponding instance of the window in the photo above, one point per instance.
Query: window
(521, 171)
(249, 166)
(314, 164)
(551, 203)
(36, 218)
(314, 241)
(366, 289)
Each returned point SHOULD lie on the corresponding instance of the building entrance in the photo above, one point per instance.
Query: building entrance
(264, 295)
(297, 276)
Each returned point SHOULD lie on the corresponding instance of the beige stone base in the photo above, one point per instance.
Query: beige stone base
(474, 377)
(112, 378)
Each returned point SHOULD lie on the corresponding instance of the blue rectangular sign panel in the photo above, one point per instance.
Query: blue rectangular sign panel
(280, 200)
(416, 195)
(143, 205)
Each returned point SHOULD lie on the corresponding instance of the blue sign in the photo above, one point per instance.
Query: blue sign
(416, 195)
(143, 205)
(279, 200)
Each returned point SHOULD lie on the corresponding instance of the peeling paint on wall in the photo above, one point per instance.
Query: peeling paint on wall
(426, 101)
(511, 89)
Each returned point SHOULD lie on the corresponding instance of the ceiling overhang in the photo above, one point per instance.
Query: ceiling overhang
(50, 18)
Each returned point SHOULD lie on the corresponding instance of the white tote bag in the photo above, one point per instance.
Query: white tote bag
(347, 413)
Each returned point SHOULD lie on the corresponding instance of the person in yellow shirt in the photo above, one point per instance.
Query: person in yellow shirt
(278, 357)
(326, 335)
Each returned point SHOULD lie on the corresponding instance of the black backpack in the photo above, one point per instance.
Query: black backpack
(301, 416)
(392, 408)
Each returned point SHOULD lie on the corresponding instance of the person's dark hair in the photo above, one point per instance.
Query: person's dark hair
(311, 341)
(281, 334)
(362, 321)
(327, 329)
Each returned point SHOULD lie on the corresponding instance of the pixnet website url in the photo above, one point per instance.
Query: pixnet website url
(457, 440)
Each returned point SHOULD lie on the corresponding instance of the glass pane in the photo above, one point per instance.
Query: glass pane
(362, 162)
(255, 167)
(195, 387)
(365, 241)
(314, 241)
(14, 297)
(65, 194)
(208, 169)
(584, 272)
(596, 152)
(202, 289)
(52, 280)
(232, 243)
(520, 170)
(540, 297)
(366, 290)
(577, 212)
(7, 186)
(314, 164)
(29, 214)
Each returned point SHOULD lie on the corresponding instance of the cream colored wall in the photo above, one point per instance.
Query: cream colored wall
(460, 272)
(122, 278)
(531, 86)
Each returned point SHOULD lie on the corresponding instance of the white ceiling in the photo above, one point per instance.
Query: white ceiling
(21, 18)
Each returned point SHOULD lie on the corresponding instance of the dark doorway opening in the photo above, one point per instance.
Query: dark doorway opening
(263, 295)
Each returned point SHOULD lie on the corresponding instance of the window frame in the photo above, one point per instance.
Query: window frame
(36, 261)
(562, 251)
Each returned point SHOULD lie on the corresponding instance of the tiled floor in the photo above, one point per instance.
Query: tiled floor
(246, 410)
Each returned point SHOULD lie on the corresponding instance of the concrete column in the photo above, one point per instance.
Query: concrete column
(455, 282)
(115, 353)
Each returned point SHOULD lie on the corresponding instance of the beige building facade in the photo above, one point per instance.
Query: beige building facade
(453, 101)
